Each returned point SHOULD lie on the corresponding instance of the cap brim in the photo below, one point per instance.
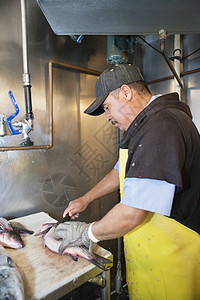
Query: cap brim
(95, 108)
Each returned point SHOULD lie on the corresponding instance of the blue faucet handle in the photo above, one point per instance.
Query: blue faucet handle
(9, 119)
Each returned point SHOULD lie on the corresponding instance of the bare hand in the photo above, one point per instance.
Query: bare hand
(75, 207)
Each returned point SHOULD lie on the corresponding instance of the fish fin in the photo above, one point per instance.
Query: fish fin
(20, 228)
(23, 231)
(51, 224)
(28, 231)
(98, 260)
(43, 232)
(74, 257)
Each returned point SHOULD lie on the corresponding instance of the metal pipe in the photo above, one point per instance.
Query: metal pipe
(164, 54)
(190, 72)
(75, 68)
(105, 292)
(177, 62)
(26, 76)
(159, 80)
(51, 102)
(24, 37)
(118, 276)
(172, 77)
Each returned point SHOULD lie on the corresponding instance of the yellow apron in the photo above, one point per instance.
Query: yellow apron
(162, 256)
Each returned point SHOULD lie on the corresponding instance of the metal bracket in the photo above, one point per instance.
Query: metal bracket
(98, 280)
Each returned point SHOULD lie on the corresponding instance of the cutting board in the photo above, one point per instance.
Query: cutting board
(48, 275)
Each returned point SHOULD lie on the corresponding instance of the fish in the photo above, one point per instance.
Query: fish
(20, 228)
(10, 233)
(12, 225)
(73, 251)
(11, 279)
(11, 239)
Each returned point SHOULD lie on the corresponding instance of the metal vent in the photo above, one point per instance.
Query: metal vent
(119, 17)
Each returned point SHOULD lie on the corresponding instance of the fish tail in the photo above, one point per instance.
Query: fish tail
(20, 228)
(99, 261)
(49, 226)
(43, 232)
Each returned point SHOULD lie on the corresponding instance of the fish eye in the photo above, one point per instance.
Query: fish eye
(9, 261)
(7, 296)
(2, 228)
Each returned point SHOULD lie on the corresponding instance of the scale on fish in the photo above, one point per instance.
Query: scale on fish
(11, 283)
(48, 234)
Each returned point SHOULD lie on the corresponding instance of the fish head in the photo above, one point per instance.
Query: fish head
(11, 284)
(11, 239)
(11, 280)
(7, 295)
(6, 260)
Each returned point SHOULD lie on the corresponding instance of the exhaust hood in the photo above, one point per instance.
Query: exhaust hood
(121, 17)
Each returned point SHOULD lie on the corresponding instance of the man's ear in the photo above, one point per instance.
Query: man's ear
(127, 92)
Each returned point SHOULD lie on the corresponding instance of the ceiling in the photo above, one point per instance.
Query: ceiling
(121, 17)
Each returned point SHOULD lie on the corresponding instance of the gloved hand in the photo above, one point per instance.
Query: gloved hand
(74, 234)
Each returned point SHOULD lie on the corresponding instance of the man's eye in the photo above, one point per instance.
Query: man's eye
(105, 108)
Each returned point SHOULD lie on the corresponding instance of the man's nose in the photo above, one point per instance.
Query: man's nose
(108, 118)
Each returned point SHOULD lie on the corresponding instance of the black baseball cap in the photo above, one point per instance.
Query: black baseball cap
(111, 79)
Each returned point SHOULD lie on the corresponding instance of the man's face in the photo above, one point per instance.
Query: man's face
(116, 111)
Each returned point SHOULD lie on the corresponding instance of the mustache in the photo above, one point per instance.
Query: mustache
(113, 122)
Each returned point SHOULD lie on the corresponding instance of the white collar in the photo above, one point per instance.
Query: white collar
(153, 98)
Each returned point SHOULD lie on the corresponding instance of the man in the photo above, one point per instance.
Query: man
(159, 177)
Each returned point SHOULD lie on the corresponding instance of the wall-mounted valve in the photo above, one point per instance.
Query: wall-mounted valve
(24, 126)
(21, 127)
